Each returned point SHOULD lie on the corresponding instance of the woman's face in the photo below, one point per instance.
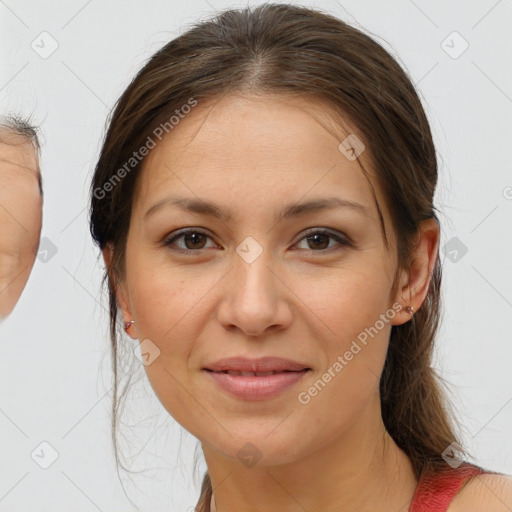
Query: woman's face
(253, 284)
(20, 216)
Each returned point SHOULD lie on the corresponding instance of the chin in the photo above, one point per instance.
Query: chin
(263, 447)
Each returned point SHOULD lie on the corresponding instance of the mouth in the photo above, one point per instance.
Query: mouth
(257, 374)
(262, 365)
(250, 386)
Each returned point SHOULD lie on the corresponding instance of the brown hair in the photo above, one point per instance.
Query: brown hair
(280, 48)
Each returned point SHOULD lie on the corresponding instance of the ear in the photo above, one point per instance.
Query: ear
(414, 285)
(122, 296)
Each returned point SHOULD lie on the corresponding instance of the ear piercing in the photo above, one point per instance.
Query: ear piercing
(409, 309)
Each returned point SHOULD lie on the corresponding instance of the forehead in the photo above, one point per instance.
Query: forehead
(271, 145)
(18, 153)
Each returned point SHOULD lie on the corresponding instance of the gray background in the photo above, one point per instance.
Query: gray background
(54, 364)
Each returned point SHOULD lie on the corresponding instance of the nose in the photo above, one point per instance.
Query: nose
(255, 298)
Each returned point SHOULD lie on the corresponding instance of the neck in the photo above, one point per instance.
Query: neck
(362, 469)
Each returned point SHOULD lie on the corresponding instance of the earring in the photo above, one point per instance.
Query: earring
(128, 324)
(409, 309)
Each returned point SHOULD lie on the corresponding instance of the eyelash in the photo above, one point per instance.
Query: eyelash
(343, 241)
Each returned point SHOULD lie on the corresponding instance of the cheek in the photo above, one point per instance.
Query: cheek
(169, 311)
(164, 315)
(164, 299)
(352, 330)
(345, 302)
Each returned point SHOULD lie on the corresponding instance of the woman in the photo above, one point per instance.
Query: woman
(21, 201)
(263, 202)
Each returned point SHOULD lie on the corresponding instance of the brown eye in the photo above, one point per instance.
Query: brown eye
(318, 241)
(193, 240)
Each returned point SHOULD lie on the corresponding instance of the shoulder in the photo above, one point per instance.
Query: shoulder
(490, 492)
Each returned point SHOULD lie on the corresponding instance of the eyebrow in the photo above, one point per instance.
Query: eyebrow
(289, 211)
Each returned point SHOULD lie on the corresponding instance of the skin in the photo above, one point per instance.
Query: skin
(20, 216)
(297, 300)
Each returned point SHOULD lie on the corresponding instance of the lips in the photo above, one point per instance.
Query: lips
(253, 374)
(256, 379)
(262, 366)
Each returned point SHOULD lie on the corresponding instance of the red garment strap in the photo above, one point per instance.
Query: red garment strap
(434, 493)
